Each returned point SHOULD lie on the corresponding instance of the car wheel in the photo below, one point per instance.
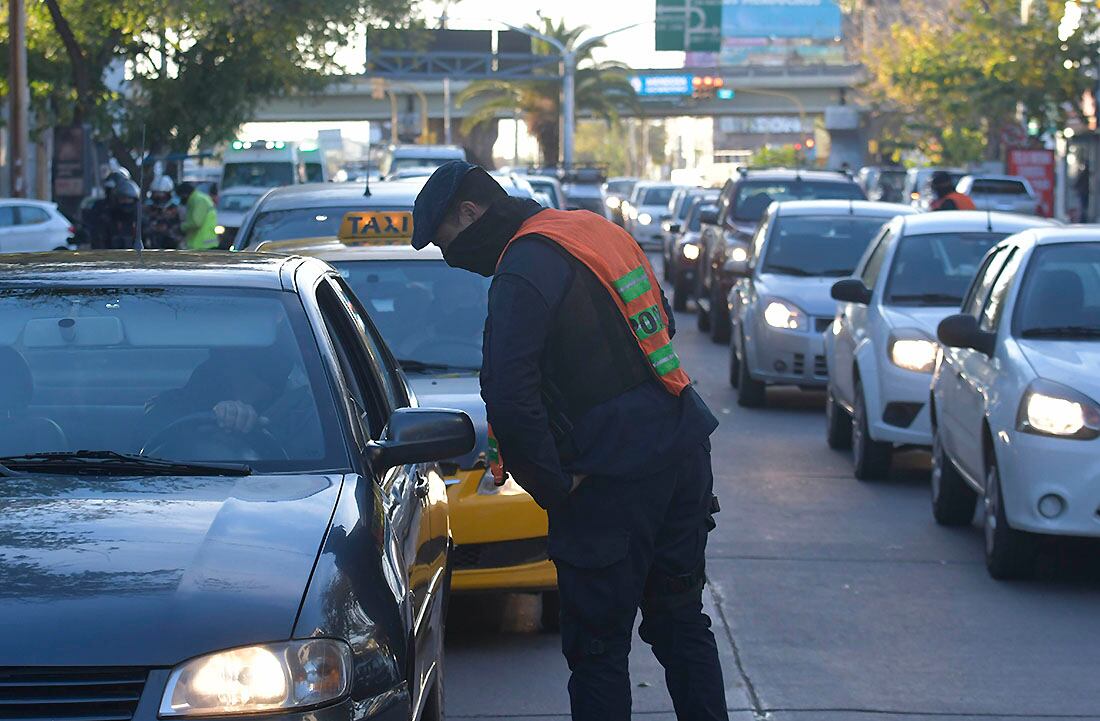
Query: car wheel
(1008, 553)
(735, 367)
(719, 317)
(702, 317)
(680, 295)
(550, 616)
(751, 393)
(838, 424)
(872, 458)
(953, 501)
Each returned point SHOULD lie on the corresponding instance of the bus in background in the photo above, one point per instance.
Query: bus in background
(262, 164)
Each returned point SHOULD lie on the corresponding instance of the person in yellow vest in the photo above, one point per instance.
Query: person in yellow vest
(200, 218)
(592, 413)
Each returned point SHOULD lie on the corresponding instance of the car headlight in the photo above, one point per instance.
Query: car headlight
(781, 314)
(645, 218)
(1051, 409)
(219, 229)
(268, 677)
(613, 202)
(691, 251)
(737, 254)
(915, 354)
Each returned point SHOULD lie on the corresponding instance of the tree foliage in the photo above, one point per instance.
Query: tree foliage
(603, 90)
(959, 80)
(194, 71)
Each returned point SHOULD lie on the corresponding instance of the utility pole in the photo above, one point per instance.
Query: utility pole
(19, 98)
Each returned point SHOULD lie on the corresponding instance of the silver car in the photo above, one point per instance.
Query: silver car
(780, 304)
(647, 205)
(1003, 193)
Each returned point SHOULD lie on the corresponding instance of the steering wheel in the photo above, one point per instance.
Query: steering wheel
(204, 429)
(439, 347)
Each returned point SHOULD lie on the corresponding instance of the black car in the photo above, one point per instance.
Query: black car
(219, 496)
(726, 234)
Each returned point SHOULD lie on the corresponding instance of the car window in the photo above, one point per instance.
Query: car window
(994, 307)
(695, 219)
(32, 215)
(1060, 294)
(7, 216)
(657, 196)
(392, 385)
(985, 186)
(983, 282)
(620, 187)
(259, 174)
(302, 223)
(828, 246)
(237, 202)
(873, 266)
(936, 269)
(758, 240)
(143, 370)
(753, 197)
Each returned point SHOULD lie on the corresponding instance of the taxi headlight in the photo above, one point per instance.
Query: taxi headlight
(488, 486)
(914, 354)
(1051, 409)
(781, 314)
(691, 251)
(645, 218)
(252, 679)
(613, 202)
(219, 229)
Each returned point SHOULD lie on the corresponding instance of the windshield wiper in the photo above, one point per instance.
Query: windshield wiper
(787, 270)
(1062, 331)
(113, 463)
(930, 298)
(415, 365)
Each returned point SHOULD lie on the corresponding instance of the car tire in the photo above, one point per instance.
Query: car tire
(550, 616)
(719, 318)
(751, 393)
(702, 317)
(735, 367)
(871, 458)
(1009, 554)
(953, 501)
(838, 423)
(680, 295)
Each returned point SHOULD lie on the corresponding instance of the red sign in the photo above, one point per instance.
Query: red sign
(1038, 167)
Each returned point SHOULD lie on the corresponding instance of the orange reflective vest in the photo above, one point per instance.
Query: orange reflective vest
(624, 270)
(962, 202)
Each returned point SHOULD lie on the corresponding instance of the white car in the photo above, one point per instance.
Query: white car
(647, 207)
(233, 206)
(30, 226)
(880, 348)
(1015, 415)
(780, 305)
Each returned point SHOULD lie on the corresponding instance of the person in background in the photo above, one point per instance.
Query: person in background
(200, 218)
(162, 216)
(1083, 185)
(947, 198)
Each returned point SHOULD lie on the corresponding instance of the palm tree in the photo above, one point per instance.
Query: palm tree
(602, 90)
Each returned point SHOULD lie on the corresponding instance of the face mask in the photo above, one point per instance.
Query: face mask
(473, 253)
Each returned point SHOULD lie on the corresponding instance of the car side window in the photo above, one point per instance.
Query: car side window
(30, 215)
(7, 216)
(724, 203)
(393, 386)
(871, 270)
(994, 308)
(983, 282)
(758, 240)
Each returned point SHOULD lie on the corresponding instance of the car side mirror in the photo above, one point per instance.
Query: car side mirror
(737, 268)
(674, 228)
(851, 290)
(963, 331)
(422, 435)
(709, 217)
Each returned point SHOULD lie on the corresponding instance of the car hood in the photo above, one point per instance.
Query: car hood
(809, 294)
(460, 392)
(151, 571)
(1071, 362)
(925, 318)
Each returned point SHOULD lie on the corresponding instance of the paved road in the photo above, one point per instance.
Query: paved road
(832, 599)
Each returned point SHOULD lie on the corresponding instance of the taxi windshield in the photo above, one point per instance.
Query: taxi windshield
(819, 245)
(301, 223)
(165, 372)
(935, 269)
(431, 316)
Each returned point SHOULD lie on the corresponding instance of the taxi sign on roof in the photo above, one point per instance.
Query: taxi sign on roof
(374, 226)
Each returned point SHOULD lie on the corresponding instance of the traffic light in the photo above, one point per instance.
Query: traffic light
(705, 87)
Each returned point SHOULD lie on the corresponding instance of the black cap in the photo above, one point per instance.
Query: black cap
(435, 198)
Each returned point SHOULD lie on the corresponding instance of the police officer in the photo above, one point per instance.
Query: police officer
(162, 216)
(593, 415)
(200, 218)
(122, 210)
(947, 198)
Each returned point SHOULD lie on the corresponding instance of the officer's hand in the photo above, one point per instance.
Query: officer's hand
(236, 416)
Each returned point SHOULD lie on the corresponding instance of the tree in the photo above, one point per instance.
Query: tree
(602, 90)
(960, 81)
(194, 71)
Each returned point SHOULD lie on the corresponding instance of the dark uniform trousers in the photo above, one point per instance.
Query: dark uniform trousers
(621, 544)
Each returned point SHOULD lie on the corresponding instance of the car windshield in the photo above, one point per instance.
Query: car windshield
(620, 187)
(1060, 295)
(237, 202)
(754, 197)
(301, 223)
(431, 316)
(596, 205)
(260, 175)
(819, 245)
(936, 269)
(149, 370)
(657, 196)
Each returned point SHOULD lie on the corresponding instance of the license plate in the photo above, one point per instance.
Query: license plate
(376, 226)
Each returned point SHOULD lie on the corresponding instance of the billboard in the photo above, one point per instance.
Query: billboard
(1038, 167)
(662, 85)
(691, 25)
(802, 19)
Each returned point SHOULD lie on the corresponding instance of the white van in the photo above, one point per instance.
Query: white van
(406, 157)
(262, 164)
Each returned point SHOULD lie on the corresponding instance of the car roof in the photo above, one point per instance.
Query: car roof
(971, 221)
(793, 174)
(28, 201)
(329, 195)
(994, 176)
(843, 207)
(1060, 235)
(337, 252)
(128, 268)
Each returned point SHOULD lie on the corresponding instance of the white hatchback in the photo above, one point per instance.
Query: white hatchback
(880, 349)
(33, 226)
(1014, 407)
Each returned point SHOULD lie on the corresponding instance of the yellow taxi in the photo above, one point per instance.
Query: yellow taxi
(432, 318)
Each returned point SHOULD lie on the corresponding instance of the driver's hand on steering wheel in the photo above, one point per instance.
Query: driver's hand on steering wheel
(237, 416)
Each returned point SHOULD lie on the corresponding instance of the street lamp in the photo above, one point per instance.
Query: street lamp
(569, 55)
